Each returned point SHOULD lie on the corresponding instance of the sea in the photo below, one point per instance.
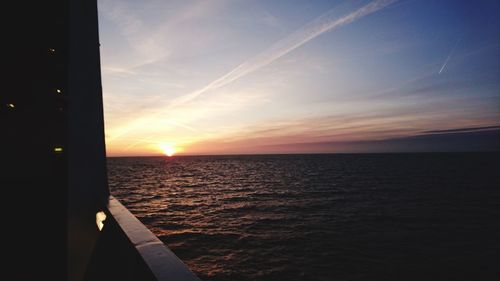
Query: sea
(422, 216)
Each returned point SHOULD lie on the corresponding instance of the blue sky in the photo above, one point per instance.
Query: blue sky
(217, 77)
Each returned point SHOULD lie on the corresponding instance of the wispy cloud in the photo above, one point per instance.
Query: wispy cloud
(464, 141)
(135, 32)
(326, 22)
(300, 37)
(393, 121)
(151, 44)
(463, 130)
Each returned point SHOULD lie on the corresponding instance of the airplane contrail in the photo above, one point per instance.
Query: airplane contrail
(313, 29)
(298, 38)
(449, 56)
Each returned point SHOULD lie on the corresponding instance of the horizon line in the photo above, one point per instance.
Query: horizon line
(308, 153)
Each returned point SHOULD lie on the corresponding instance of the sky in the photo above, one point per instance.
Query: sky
(250, 77)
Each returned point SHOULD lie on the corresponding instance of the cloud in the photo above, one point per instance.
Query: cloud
(327, 22)
(152, 43)
(463, 140)
(135, 32)
(463, 130)
(300, 37)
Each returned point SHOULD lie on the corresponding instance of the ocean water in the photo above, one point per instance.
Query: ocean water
(321, 217)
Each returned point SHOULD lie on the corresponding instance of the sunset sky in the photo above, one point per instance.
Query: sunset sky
(231, 77)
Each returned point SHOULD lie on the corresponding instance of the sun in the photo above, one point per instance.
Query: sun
(168, 150)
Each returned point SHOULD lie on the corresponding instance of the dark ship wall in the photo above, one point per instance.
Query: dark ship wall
(53, 161)
(53, 165)
(87, 178)
(33, 139)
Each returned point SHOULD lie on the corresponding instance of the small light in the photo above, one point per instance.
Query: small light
(99, 218)
(58, 91)
(11, 105)
(58, 149)
(52, 50)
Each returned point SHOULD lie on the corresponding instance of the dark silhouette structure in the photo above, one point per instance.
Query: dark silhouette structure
(53, 164)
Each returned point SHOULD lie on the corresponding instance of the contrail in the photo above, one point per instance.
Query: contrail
(449, 56)
(313, 29)
(298, 38)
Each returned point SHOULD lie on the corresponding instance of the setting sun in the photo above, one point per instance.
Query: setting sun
(168, 150)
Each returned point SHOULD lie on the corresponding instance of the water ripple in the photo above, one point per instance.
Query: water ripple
(320, 217)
